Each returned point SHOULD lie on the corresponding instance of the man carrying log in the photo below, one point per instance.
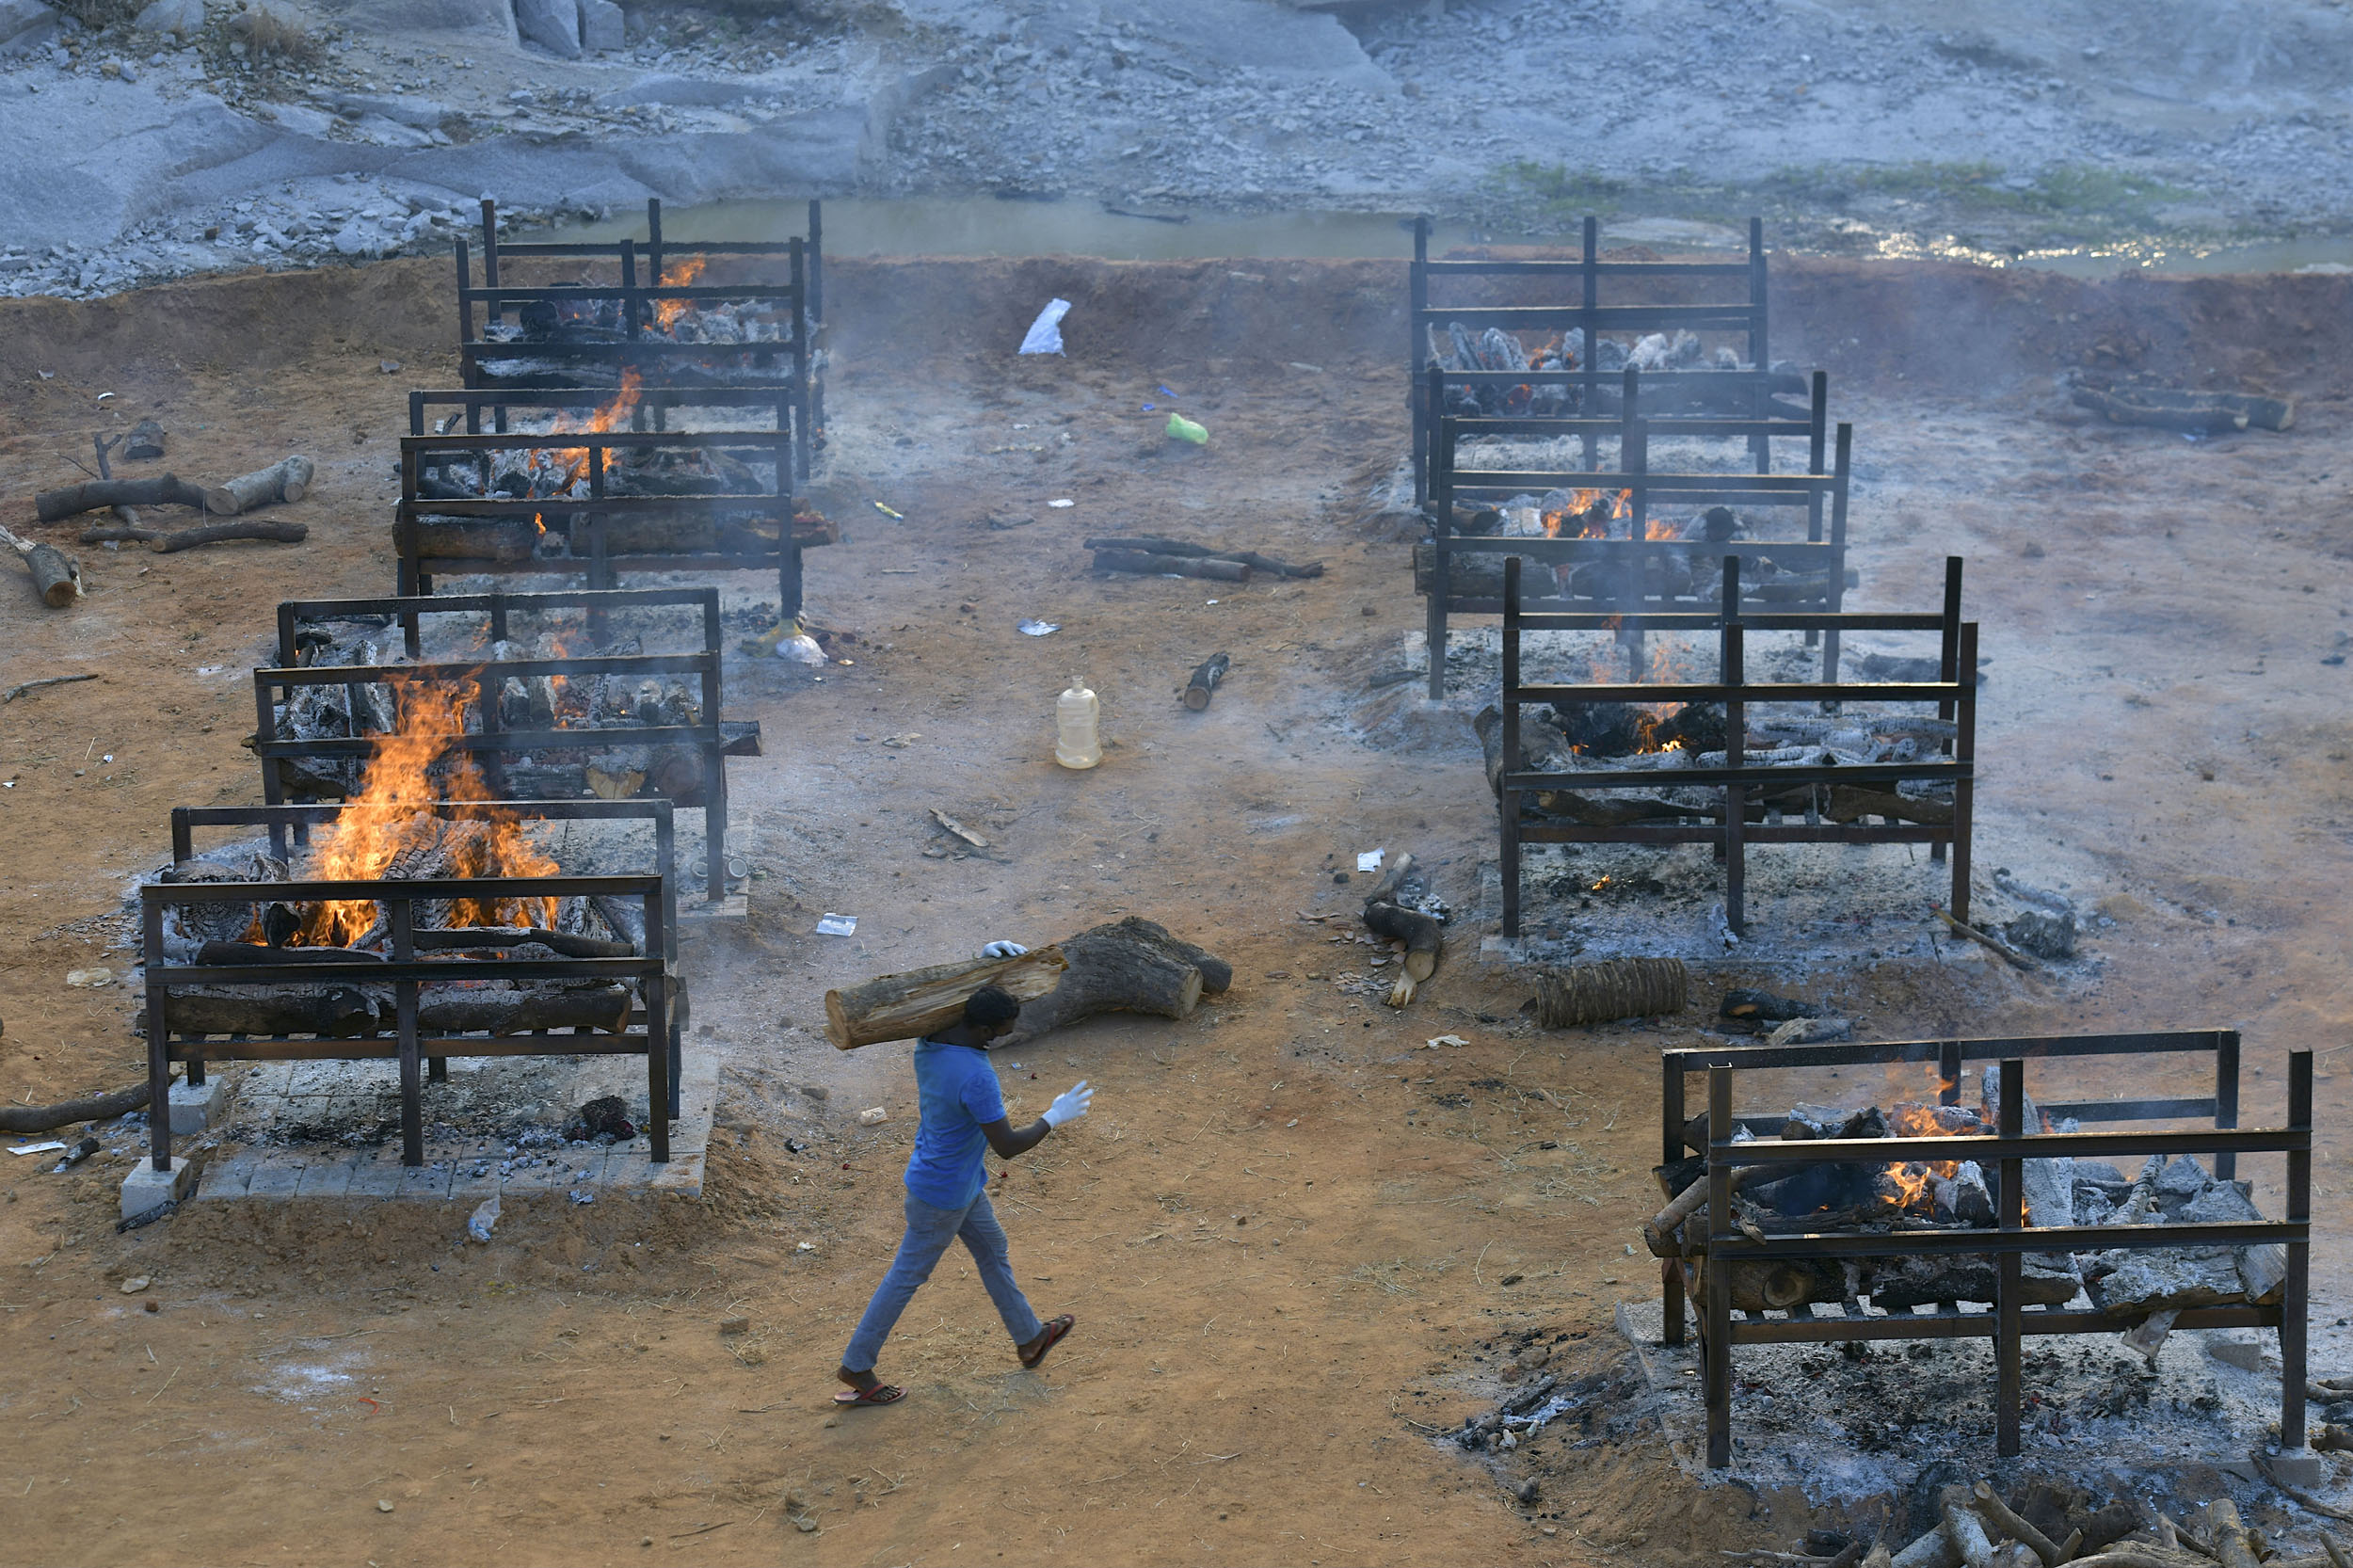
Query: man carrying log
(963, 1117)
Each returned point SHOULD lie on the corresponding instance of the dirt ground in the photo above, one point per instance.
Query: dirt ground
(305, 1382)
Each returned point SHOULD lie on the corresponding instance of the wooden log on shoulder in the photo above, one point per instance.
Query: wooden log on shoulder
(907, 1007)
(1131, 965)
(288, 479)
(94, 495)
(1136, 563)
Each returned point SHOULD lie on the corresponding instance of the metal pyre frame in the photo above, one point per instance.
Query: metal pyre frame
(2011, 1323)
(1748, 316)
(1822, 554)
(708, 738)
(606, 534)
(1742, 783)
(564, 349)
(415, 962)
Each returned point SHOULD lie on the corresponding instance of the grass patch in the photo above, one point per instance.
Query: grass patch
(2075, 191)
(1557, 195)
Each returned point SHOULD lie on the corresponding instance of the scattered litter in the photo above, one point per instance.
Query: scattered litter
(873, 1115)
(1060, 502)
(1034, 627)
(1179, 428)
(895, 517)
(102, 396)
(1045, 334)
(1006, 521)
(1165, 392)
(837, 925)
(484, 1216)
(581, 1194)
(1448, 1040)
(801, 649)
(900, 743)
(52, 1144)
(1370, 860)
(209, 669)
(960, 831)
(1312, 370)
(135, 1284)
(84, 980)
(806, 1246)
(75, 1154)
(383, 1505)
(388, 367)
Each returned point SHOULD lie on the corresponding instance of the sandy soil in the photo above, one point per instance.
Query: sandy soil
(1287, 1230)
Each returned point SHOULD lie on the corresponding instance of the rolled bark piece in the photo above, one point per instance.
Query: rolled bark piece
(46, 1118)
(188, 538)
(1131, 965)
(1613, 988)
(164, 490)
(447, 538)
(1423, 938)
(1141, 564)
(907, 1007)
(1205, 678)
(288, 479)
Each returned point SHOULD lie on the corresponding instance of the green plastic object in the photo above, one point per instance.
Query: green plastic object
(1182, 429)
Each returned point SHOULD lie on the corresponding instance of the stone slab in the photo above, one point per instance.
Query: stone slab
(275, 1178)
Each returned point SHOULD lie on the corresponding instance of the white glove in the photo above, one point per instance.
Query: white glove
(1004, 949)
(1070, 1104)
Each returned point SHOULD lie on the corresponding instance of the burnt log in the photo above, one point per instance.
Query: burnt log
(646, 534)
(1852, 802)
(164, 490)
(1423, 939)
(56, 576)
(1250, 558)
(336, 1011)
(1479, 574)
(907, 1007)
(2187, 411)
(1901, 1283)
(1776, 1286)
(1204, 681)
(223, 953)
(1131, 965)
(288, 479)
(1137, 563)
(563, 943)
(164, 543)
(526, 1006)
(453, 538)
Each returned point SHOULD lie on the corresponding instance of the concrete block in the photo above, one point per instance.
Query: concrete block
(601, 27)
(192, 1110)
(2299, 1467)
(146, 1187)
(328, 1179)
(628, 1168)
(379, 1176)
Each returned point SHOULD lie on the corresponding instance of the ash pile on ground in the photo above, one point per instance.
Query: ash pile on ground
(1864, 1435)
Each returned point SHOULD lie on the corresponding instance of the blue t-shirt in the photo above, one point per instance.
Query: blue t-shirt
(957, 1091)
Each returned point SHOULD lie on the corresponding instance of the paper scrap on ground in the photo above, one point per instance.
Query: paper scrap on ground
(1448, 1040)
(1040, 627)
(1370, 859)
(837, 925)
(1059, 505)
(1045, 334)
(38, 1149)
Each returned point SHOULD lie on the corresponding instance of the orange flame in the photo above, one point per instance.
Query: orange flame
(1911, 1183)
(605, 420)
(390, 822)
(677, 275)
(1592, 512)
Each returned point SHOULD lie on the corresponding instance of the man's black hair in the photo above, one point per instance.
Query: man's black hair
(989, 1006)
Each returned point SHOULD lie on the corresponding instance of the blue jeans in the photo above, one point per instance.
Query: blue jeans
(930, 1229)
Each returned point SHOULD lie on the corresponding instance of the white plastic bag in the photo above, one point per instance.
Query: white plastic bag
(484, 1218)
(1045, 336)
(801, 649)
